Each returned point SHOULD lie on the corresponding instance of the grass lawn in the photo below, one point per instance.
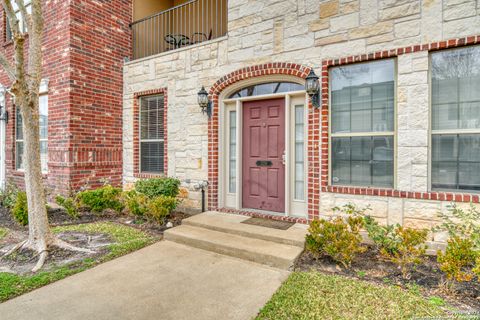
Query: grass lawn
(312, 295)
(126, 240)
(3, 233)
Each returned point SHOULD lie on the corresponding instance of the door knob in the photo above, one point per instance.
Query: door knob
(283, 157)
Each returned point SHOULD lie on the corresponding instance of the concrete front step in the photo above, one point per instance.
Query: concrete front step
(270, 253)
(232, 223)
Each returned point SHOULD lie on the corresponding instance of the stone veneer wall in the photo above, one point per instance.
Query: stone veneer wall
(308, 32)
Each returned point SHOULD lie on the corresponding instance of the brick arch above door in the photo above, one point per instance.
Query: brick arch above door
(314, 118)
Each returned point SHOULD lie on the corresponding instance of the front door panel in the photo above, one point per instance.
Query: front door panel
(263, 148)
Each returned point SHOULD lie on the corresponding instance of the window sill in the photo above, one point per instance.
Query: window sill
(21, 173)
(430, 195)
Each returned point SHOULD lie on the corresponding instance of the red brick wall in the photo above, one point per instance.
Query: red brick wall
(100, 40)
(85, 42)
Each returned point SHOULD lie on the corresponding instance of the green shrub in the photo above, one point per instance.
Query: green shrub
(69, 204)
(106, 197)
(461, 260)
(403, 246)
(458, 260)
(339, 239)
(168, 187)
(462, 223)
(136, 203)
(20, 209)
(8, 197)
(160, 207)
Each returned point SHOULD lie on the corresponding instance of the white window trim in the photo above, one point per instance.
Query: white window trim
(364, 134)
(43, 92)
(299, 101)
(140, 140)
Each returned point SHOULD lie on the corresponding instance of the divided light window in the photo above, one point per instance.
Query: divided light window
(152, 134)
(362, 124)
(43, 118)
(456, 119)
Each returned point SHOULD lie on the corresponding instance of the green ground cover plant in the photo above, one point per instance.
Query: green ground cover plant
(3, 233)
(313, 295)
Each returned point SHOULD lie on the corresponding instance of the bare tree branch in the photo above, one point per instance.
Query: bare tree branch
(12, 18)
(27, 18)
(35, 47)
(7, 66)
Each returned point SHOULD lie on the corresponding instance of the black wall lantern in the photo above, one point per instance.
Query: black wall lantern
(3, 114)
(204, 103)
(312, 87)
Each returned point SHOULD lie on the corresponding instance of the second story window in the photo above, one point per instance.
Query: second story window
(22, 25)
(456, 119)
(362, 124)
(152, 138)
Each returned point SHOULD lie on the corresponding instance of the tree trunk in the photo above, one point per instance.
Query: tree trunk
(40, 235)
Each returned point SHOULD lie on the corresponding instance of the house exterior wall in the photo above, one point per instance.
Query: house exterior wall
(317, 35)
(84, 45)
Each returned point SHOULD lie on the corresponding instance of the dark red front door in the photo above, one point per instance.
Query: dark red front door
(263, 169)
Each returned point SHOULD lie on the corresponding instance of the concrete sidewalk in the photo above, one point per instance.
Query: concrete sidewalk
(163, 281)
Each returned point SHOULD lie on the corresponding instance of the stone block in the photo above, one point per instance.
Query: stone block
(320, 24)
(407, 29)
(421, 209)
(344, 22)
(298, 42)
(461, 27)
(413, 78)
(371, 30)
(395, 211)
(392, 3)
(418, 223)
(331, 39)
(328, 9)
(368, 12)
(349, 7)
(400, 11)
(377, 43)
(404, 65)
(464, 10)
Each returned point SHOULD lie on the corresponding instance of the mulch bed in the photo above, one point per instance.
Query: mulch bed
(59, 217)
(24, 261)
(427, 278)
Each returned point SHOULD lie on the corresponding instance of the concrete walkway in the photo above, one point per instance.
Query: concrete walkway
(163, 281)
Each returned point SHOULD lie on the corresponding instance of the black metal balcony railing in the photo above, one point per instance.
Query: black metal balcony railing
(189, 23)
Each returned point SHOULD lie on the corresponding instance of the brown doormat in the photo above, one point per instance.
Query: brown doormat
(268, 223)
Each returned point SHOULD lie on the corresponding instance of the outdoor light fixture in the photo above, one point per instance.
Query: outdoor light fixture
(312, 87)
(204, 103)
(3, 114)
